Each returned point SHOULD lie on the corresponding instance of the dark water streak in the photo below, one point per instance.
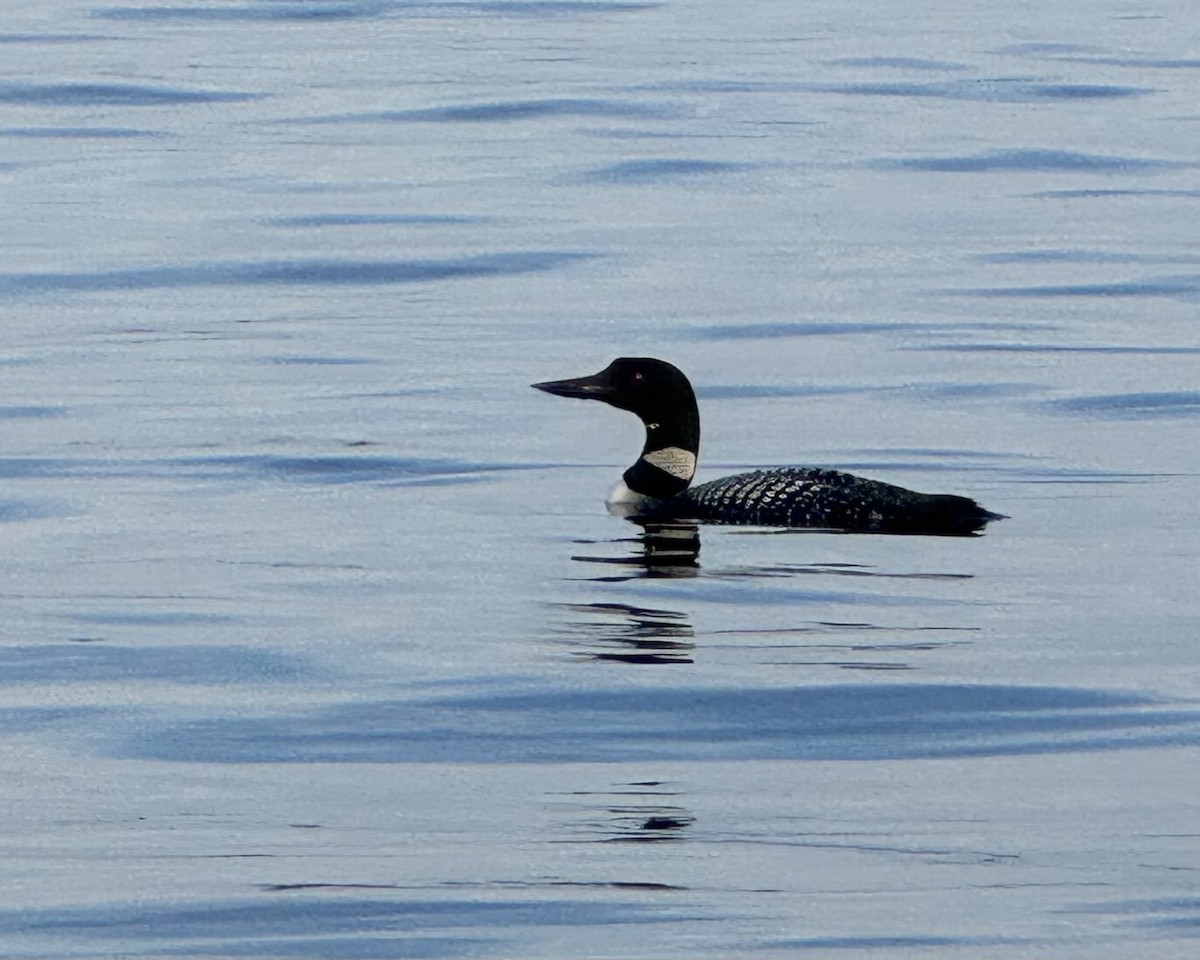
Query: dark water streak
(290, 273)
(840, 722)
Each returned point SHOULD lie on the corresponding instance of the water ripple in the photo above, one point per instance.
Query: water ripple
(900, 63)
(22, 467)
(536, 8)
(31, 413)
(841, 722)
(78, 133)
(50, 38)
(290, 273)
(620, 633)
(953, 390)
(1186, 286)
(1084, 256)
(1180, 915)
(764, 391)
(316, 361)
(979, 89)
(320, 12)
(113, 94)
(1088, 194)
(1036, 48)
(989, 91)
(1055, 348)
(1157, 63)
(758, 331)
(1028, 160)
(292, 924)
(341, 470)
(657, 171)
(502, 111)
(863, 945)
(183, 664)
(324, 470)
(1132, 406)
(15, 511)
(370, 220)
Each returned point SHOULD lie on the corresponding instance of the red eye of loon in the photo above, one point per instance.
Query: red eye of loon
(638, 375)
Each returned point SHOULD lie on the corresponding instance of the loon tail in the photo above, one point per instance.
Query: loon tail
(944, 513)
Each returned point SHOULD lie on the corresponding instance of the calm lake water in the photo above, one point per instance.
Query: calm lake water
(318, 639)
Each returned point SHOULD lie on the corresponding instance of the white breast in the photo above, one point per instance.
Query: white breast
(623, 495)
(623, 502)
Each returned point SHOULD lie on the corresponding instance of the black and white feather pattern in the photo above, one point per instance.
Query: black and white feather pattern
(813, 497)
(657, 485)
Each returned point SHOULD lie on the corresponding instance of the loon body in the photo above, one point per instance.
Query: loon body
(658, 485)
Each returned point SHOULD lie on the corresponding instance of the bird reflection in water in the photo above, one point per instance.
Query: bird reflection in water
(662, 549)
(627, 634)
(646, 811)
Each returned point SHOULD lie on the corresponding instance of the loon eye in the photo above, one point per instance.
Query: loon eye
(638, 375)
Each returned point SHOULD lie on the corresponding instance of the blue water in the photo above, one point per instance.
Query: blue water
(318, 640)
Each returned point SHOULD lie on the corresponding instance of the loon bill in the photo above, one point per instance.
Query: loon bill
(659, 483)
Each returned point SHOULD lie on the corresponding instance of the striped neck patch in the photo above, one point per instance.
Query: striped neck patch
(673, 460)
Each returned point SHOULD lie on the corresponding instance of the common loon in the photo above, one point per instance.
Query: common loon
(659, 483)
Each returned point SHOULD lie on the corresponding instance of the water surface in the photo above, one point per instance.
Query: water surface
(318, 639)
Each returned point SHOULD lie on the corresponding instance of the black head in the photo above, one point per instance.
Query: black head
(653, 389)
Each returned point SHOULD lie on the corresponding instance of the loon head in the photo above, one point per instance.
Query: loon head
(662, 397)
